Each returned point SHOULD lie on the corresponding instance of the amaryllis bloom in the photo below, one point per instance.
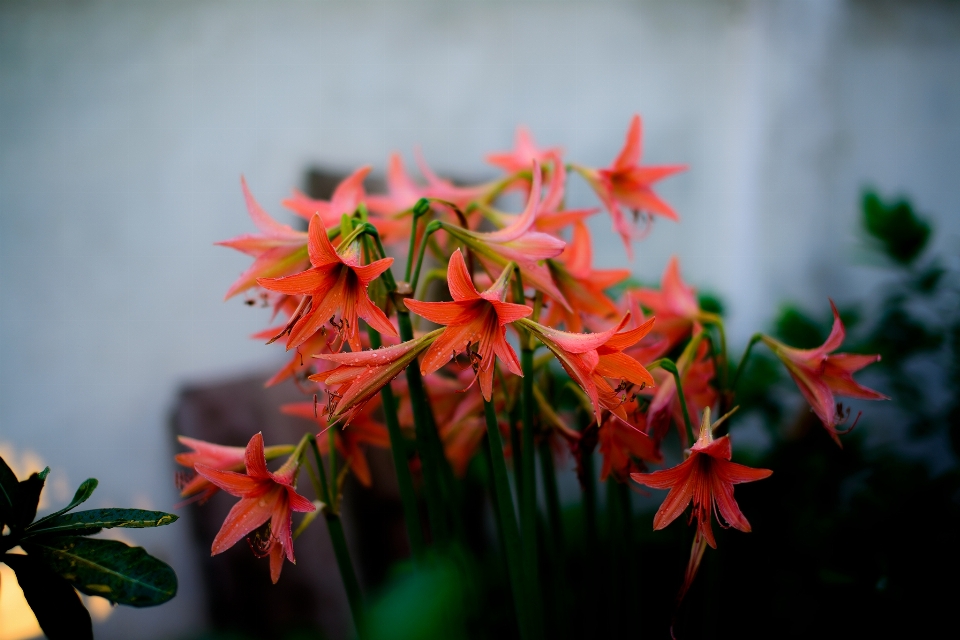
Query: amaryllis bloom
(217, 456)
(345, 199)
(551, 217)
(820, 374)
(622, 443)
(518, 243)
(335, 286)
(626, 183)
(472, 318)
(360, 375)
(278, 249)
(266, 498)
(675, 305)
(442, 189)
(402, 191)
(524, 153)
(581, 285)
(363, 430)
(589, 358)
(696, 369)
(705, 478)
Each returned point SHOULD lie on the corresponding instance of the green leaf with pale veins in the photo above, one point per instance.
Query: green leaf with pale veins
(107, 568)
(84, 491)
(85, 523)
(58, 608)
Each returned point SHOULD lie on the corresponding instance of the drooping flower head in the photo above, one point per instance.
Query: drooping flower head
(590, 358)
(345, 199)
(819, 374)
(360, 375)
(472, 318)
(675, 304)
(350, 442)
(518, 243)
(582, 286)
(266, 498)
(626, 183)
(706, 479)
(216, 456)
(624, 442)
(278, 249)
(524, 153)
(336, 287)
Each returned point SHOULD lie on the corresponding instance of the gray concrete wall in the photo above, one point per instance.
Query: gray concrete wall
(124, 128)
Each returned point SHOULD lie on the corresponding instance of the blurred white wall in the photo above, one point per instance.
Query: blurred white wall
(124, 128)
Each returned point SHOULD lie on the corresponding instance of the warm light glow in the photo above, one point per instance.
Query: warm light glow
(17, 621)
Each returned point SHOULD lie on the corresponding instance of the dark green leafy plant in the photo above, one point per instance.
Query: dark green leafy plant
(60, 560)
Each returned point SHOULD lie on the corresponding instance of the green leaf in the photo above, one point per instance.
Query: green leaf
(26, 498)
(84, 491)
(85, 523)
(57, 606)
(107, 568)
(8, 487)
(902, 234)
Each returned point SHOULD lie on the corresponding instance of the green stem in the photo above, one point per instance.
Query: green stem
(551, 490)
(754, 339)
(615, 559)
(516, 448)
(554, 542)
(398, 447)
(507, 519)
(434, 226)
(629, 571)
(420, 209)
(339, 540)
(425, 447)
(528, 499)
(670, 366)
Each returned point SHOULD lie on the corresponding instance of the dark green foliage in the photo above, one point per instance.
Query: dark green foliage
(25, 500)
(60, 559)
(8, 488)
(84, 491)
(57, 606)
(107, 568)
(901, 234)
(88, 522)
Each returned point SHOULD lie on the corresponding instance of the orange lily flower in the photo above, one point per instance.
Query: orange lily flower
(360, 375)
(519, 243)
(402, 191)
(265, 498)
(217, 456)
(626, 182)
(524, 153)
(442, 189)
(706, 478)
(337, 283)
(345, 199)
(819, 374)
(551, 217)
(278, 248)
(363, 430)
(621, 442)
(581, 285)
(590, 358)
(675, 304)
(472, 318)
